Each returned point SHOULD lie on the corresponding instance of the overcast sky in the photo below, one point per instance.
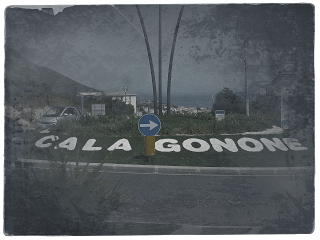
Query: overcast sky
(102, 46)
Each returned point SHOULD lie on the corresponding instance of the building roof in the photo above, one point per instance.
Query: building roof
(109, 94)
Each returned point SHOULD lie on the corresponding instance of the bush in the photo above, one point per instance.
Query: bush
(200, 115)
(99, 125)
(167, 129)
(188, 123)
(239, 123)
(226, 99)
(194, 128)
(60, 200)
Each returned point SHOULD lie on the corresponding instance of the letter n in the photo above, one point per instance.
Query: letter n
(272, 145)
(228, 144)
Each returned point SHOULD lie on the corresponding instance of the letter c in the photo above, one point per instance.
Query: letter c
(40, 143)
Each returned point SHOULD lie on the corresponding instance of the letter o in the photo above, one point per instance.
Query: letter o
(204, 146)
(242, 142)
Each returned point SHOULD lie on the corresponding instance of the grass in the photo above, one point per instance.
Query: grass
(108, 130)
(210, 158)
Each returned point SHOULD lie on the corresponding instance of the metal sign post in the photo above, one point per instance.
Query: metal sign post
(220, 114)
(149, 125)
(149, 146)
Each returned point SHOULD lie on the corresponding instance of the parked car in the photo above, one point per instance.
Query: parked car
(14, 140)
(57, 114)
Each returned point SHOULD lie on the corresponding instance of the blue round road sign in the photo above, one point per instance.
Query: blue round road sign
(149, 125)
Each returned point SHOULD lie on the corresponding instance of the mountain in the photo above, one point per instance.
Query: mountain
(29, 84)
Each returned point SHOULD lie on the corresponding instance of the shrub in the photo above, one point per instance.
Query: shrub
(99, 125)
(239, 123)
(188, 123)
(188, 127)
(199, 115)
(60, 200)
(166, 129)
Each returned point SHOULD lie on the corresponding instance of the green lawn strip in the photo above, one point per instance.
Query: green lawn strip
(131, 228)
(170, 125)
(210, 158)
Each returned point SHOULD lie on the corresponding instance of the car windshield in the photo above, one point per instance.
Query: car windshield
(54, 112)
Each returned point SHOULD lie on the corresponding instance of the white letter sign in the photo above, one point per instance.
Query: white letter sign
(171, 147)
(276, 143)
(293, 144)
(204, 146)
(229, 144)
(242, 142)
(89, 146)
(69, 144)
(122, 144)
(40, 143)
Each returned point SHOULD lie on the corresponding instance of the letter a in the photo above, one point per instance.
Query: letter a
(69, 144)
(121, 144)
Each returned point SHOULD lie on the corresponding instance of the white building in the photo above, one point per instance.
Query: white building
(130, 98)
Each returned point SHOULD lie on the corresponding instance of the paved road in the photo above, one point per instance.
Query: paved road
(218, 204)
(215, 200)
(218, 201)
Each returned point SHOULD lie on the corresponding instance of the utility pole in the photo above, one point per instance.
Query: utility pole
(81, 104)
(212, 100)
(246, 81)
(160, 67)
(125, 104)
(125, 89)
(281, 104)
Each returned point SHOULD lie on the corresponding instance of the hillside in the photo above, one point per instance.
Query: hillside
(31, 85)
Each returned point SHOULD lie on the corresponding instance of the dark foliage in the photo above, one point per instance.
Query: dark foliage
(61, 200)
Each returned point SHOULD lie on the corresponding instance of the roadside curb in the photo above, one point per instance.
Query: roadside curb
(177, 170)
(187, 229)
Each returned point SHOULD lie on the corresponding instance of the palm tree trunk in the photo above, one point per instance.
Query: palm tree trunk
(150, 62)
(171, 61)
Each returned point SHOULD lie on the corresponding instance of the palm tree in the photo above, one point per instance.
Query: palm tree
(171, 61)
(150, 62)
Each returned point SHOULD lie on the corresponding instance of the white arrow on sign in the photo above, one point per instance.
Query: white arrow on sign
(151, 125)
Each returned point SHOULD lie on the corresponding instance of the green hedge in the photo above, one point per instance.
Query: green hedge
(201, 123)
(99, 125)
